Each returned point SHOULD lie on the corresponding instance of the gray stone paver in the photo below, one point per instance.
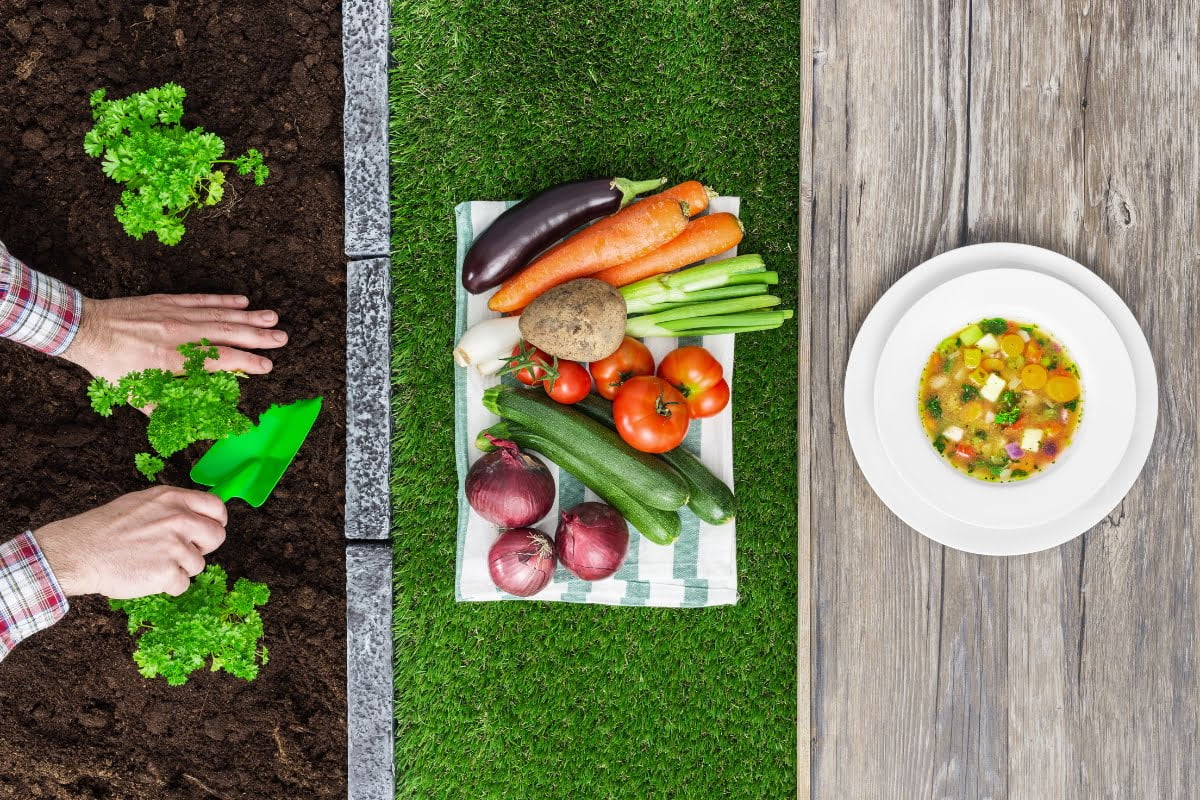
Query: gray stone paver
(369, 697)
(365, 59)
(368, 403)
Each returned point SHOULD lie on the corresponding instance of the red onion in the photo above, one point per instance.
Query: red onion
(1014, 450)
(592, 539)
(521, 561)
(510, 488)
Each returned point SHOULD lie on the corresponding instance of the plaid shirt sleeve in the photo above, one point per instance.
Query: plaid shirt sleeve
(30, 598)
(35, 309)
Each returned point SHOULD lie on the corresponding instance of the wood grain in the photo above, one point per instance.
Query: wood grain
(1070, 125)
(804, 630)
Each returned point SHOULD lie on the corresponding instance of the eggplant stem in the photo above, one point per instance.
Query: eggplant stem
(631, 189)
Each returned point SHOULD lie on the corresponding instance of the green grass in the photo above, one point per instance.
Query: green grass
(530, 701)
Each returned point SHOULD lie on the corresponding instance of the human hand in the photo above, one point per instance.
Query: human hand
(125, 334)
(139, 544)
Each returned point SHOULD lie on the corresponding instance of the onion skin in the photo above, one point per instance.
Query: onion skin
(521, 561)
(592, 540)
(510, 488)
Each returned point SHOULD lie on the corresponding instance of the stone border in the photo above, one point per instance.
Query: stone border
(370, 722)
(368, 400)
(369, 696)
(365, 26)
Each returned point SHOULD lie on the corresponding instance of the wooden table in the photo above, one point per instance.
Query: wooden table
(931, 673)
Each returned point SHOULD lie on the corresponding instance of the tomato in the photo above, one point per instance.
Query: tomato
(525, 358)
(571, 385)
(698, 377)
(650, 414)
(631, 359)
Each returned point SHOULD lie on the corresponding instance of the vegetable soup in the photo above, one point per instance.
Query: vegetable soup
(1000, 399)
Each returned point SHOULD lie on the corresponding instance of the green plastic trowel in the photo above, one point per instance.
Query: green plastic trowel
(250, 464)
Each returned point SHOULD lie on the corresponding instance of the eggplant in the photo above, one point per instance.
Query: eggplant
(537, 222)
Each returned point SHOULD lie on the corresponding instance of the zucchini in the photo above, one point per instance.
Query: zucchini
(710, 499)
(639, 475)
(657, 525)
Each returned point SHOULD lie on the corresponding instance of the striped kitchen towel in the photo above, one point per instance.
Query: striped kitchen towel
(699, 569)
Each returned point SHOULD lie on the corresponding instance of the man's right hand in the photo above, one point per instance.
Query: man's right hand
(140, 544)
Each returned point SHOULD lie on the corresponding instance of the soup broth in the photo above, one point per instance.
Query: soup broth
(1000, 400)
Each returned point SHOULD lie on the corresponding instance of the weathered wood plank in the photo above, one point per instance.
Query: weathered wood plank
(1072, 126)
(1083, 140)
(909, 685)
(804, 551)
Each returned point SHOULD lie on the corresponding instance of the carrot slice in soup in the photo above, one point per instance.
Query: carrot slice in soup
(1033, 376)
(1012, 345)
(1062, 388)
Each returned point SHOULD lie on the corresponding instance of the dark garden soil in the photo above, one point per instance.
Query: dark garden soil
(76, 720)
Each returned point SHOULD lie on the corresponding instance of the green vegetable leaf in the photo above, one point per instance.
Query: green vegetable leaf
(994, 326)
(196, 406)
(148, 465)
(207, 623)
(1008, 417)
(167, 169)
(969, 392)
(934, 406)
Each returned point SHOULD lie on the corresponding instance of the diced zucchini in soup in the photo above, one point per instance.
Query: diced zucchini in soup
(970, 335)
(1003, 415)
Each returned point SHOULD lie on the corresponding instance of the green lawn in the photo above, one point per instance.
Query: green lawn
(529, 701)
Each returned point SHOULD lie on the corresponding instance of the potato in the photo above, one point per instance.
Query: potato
(581, 320)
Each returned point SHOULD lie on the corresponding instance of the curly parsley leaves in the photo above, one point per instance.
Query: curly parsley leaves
(196, 406)
(167, 169)
(207, 623)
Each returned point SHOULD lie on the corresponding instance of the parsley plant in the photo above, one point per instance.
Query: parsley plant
(179, 634)
(196, 406)
(167, 169)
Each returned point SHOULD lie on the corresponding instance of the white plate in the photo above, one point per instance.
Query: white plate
(1106, 375)
(859, 400)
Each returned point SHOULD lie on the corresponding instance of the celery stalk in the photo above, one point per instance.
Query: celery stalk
(721, 324)
(635, 326)
(704, 295)
(765, 278)
(673, 287)
(726, 321)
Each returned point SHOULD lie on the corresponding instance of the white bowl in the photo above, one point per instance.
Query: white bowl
(1106, 376)
(882, 475)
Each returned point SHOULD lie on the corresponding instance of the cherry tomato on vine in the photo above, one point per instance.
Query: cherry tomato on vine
(698, 377)
(571, 385)
(631, 360)
(528, 364)
(650, 415)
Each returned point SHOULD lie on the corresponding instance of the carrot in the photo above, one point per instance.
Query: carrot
(694, 193)
(703, 237)
(628, 234)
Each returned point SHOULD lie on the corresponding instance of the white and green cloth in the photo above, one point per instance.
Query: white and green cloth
(699, 569)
